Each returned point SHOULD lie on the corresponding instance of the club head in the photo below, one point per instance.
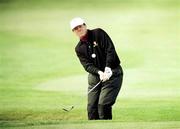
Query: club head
(68, 110)
(65, 110)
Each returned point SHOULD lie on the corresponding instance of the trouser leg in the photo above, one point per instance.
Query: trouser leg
(108, 95)
(93, 98)
(92, 107)
(102, 98)
(105, 112)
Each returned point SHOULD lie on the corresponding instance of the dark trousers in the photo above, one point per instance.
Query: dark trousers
(102, 98)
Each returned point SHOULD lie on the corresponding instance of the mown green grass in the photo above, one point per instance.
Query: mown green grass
(100, 124)
(40, 73)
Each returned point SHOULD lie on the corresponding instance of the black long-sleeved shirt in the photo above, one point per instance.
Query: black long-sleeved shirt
(97, 52)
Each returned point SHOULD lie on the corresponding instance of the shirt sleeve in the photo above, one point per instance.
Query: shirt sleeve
(109, 50)
(86, 63)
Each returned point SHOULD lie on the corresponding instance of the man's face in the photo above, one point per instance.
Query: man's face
(80, 30)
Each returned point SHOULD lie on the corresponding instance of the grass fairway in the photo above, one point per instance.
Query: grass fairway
(105, 125)
(40, 73)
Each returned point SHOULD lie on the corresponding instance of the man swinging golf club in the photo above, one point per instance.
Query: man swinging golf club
(97, 55)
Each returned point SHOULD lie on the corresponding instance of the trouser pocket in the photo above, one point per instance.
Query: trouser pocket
(117, 71)
(93, 79)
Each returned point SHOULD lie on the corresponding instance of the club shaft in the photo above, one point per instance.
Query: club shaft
(94, 87)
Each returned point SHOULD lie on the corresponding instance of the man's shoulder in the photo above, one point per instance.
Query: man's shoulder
(97, 30)
(78, 46)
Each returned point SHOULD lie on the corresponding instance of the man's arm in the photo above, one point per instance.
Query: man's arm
(109, 50)
(86, 63)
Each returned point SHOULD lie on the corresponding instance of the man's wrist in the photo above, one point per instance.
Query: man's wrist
(100, 72)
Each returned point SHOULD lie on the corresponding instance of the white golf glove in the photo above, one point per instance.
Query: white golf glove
(107, 73)
(104, 76)
(101, 75)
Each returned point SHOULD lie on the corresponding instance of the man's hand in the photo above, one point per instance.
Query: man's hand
(104, 76)
(101, 75)
(107, 73)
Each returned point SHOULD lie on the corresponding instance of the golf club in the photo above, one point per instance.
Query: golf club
(68, 110)
(94, 86)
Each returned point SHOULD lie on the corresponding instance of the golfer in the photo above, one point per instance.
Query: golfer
(97, 55)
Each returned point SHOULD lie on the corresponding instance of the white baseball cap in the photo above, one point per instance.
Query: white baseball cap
(76, 22)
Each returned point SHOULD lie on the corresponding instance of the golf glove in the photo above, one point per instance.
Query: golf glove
(101, 75)
(107, 73)
(104, 76)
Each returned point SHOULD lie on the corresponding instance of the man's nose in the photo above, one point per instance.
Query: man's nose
(78, 28)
